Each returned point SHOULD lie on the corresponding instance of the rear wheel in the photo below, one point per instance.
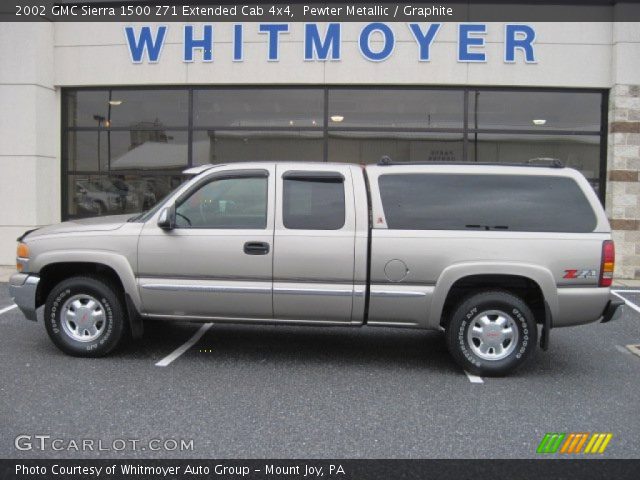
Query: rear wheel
(84, 316)
(491, 333)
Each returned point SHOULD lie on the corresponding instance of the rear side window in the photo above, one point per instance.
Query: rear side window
(485, 202)
(313, 203)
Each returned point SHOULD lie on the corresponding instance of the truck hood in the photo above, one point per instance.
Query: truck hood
(96, 224)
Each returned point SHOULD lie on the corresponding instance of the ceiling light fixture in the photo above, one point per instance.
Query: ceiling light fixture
(539, 121)
(115, 103)
(337, 118)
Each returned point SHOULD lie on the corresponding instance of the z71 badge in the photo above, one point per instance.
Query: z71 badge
(584, 273)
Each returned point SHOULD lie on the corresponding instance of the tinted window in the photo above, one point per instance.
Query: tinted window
(226, 203)
(313, 203)
(396, 108)
(517, 110)
(92, 195)
(369, 146)
(258, 108)
(227, 146)
(480, 202)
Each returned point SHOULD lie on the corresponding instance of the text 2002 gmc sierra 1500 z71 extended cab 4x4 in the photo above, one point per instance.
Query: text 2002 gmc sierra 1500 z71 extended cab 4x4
(488, 253)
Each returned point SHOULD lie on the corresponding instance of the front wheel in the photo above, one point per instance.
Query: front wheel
(491, 333)
(84, 316)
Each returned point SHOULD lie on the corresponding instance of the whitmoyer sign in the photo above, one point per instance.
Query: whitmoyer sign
(376, 41)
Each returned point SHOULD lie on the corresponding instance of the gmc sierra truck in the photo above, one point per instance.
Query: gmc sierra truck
(489, 254)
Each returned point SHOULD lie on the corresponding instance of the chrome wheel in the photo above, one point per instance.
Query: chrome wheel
(83, 318)
(492, 335)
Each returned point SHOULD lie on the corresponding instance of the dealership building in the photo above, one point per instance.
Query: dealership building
(102, 118)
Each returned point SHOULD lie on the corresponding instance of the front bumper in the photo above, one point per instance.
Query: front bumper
(612, 310)
(22, 289)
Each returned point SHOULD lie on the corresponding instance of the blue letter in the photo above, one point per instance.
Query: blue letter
(389, 42)
(313, 43)
(206, 44)
(424, 39)
(519, 37)
(145, 42)
(273, 29)
(465, 41)
(237, 43)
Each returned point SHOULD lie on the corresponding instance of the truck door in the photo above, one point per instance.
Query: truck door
(314, 242)
(217, 261)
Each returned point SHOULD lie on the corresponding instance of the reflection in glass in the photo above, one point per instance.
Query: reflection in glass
(147, 109)
(258, 108)
(94, 195)
(385, 108)
(149, 150)
(83, 105)
(142, 109)
(518, 110)
(87, 151)
(241, 146)
(369, 147)
(581, 152)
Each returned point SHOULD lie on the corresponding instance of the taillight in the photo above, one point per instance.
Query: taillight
(608, 263)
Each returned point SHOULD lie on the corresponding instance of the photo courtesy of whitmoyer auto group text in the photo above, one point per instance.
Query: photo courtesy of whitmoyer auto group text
(301, 240)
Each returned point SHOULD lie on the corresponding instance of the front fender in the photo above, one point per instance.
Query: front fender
(453, 273)
(117, 262)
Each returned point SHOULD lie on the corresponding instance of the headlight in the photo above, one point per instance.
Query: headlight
(23, 256)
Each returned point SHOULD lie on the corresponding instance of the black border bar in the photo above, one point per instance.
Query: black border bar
(296, 469)
(162, 11)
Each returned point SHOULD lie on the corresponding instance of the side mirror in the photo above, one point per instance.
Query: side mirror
(167, 219)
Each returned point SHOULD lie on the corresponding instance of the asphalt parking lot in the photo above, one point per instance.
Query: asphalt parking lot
(286, 392)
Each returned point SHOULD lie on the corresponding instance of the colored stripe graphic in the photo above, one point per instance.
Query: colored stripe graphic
(573, 443)
(551, 442)
(598, 443)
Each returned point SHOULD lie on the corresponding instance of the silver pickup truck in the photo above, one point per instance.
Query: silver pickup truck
(490, 254)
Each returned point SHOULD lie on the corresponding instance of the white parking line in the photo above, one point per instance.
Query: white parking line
(185, 346)
(8, 309)
(621, 349)
(629, 303)
(474, 378)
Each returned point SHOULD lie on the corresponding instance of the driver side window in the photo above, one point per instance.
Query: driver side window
(226, 203)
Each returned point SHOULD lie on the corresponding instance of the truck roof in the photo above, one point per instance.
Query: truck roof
(550, 167)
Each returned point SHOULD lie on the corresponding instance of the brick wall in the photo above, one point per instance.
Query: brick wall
(623, 178)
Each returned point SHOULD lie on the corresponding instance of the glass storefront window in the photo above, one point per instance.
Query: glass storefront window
(525, 110)
(87, 151)
(369, 147)
(143, 138)
(93, 195)
(87, 108)
(259, 108)
(143, 109)
(149, 150)
(227, 146)
(98, 151)
(581, 152)
(407, 108)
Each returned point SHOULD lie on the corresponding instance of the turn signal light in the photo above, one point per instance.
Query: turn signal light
(608, 263)
(23, 250)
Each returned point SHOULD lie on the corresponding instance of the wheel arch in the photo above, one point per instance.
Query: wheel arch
(53, 267)
(533, 283)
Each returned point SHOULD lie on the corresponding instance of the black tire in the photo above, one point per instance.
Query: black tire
(110, 327)
(497, 305)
